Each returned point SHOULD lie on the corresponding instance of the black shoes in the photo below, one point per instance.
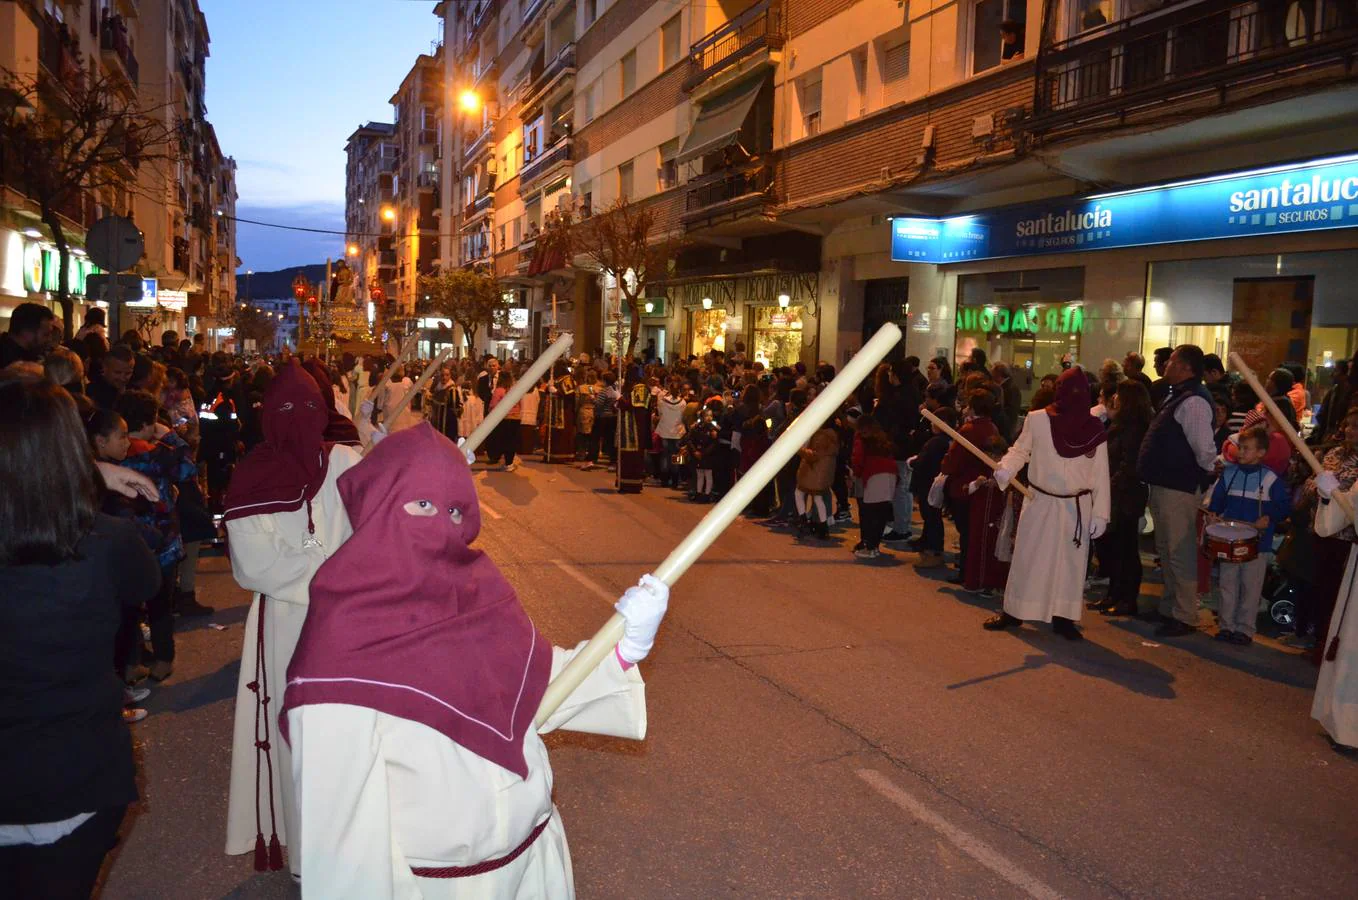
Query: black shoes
(1066, 628)
(1000, 622)
(1174, 629)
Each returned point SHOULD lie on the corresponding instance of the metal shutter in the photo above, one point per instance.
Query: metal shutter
(895, 73)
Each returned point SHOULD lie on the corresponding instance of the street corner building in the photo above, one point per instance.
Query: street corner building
(147, 59)
(1033, 177)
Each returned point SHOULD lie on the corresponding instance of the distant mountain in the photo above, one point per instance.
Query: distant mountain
(276, 285)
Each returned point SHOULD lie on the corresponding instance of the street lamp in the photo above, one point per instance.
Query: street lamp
(389, 214)
(352, 249)
(469, 100)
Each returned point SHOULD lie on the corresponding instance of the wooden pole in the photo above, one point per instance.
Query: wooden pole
(971, 448)
(1253, 381)
(391, 369)
(424, 379)
(540, 367)
(720, 516)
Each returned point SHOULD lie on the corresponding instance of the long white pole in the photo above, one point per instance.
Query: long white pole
(858, 370)
(970, 447)
(424, 379)
(525, 383)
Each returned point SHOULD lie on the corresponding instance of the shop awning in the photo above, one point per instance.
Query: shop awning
(720, 119)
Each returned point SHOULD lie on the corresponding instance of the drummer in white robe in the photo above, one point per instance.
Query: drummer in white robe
(283, 517)
(1336, 702)
(411, 698)
(1065, 450)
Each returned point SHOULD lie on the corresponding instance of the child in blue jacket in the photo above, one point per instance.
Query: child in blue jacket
(1248, 492)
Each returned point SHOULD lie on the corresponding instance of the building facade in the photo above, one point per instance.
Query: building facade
(418, 107)
(369, 213)
(149, 54)
(831, 165)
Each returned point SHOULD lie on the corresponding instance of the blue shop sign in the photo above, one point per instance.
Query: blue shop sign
(1305, 197)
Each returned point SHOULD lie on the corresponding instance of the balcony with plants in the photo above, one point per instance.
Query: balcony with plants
(728, 195)
(116, 50)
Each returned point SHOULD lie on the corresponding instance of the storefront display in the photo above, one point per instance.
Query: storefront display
(777, 335)
(708, 327)
(1028, 319)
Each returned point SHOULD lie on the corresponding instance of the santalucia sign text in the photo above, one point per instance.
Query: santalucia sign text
(1310, 196)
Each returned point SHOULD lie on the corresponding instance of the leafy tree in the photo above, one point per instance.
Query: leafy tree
(622, 241)
(470, 297)
(64, 138)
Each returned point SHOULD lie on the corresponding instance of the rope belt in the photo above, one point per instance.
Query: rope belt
(1079, 515)
(489, 865)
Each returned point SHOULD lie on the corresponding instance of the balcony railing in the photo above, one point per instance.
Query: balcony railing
(427, 181)
(544, 162)
(748, 184)
(542, 75)
(479, 205)
(758, 28)
(59, 53)
(113, 42)
(1187, 47)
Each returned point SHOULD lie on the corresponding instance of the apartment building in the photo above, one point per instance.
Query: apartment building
(418, 109)
(1002, 174)
(369, 210)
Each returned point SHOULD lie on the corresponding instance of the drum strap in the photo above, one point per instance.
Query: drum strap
(1079, 515)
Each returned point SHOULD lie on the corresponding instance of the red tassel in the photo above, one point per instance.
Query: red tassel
(275, 854)
(1334, 649)
(261, 855)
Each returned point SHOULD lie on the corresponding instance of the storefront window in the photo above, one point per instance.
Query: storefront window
(1030, 320)
(708, 327)
(777, 335)
(1271, 309)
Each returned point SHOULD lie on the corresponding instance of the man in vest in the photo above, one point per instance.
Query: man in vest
(1177, 461)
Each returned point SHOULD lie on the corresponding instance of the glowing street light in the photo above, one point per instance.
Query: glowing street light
(469, 100)
(352, 249)
(389, 214)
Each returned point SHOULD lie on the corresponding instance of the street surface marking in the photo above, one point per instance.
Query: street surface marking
(977, 849)
(490, 512)
(608, 596)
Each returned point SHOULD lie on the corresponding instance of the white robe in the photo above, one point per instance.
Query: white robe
(380, 794)
(1336, 703)
(268, 557)
(1047, 576)
(392, 394)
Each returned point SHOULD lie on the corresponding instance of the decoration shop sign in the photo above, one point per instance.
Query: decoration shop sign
(1311, 196)
(42, 266)
(1026, 321)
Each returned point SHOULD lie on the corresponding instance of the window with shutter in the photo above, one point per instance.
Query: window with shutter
(895, 73)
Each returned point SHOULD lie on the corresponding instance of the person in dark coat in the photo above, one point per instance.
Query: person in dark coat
(1121, 544)
(1011, 399)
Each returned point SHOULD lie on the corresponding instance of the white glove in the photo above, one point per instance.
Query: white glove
(1326, 484)
(1097, 526)
(378, 434)
(642, 607)
(469, 455)
(127, 482)
(366, 408)
(1003, 477)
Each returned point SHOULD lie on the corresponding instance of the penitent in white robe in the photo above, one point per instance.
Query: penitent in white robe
(268, 557)
(382, 794)
(1336, 703)
(390, 397)
(1047, 576)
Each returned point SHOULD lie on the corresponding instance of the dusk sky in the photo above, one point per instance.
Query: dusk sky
(287, 83)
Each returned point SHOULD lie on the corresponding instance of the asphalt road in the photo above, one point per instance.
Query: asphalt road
(824, 727)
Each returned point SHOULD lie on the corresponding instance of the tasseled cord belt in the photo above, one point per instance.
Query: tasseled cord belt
(1079, 515)
(272, 858)
(489, 865)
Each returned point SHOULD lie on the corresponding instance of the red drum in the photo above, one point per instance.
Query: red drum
(1233, 542)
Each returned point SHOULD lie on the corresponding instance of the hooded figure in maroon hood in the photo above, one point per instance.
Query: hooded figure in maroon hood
(283, 517)
(340, 429)
(1066, 453)
(412, 693)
